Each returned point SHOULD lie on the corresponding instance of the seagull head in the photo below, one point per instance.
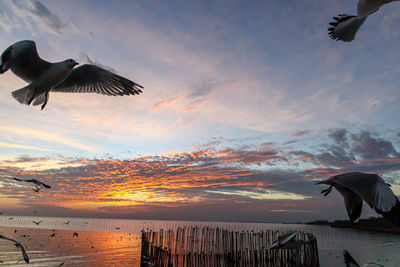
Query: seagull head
(71, 63)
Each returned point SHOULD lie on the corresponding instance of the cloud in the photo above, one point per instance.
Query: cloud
(19, 146)
(188, 100)
(39, 13)
(257, 175)
(165, 103)
(36, 16)
(300, 133)
(45, 136)
(368, 147)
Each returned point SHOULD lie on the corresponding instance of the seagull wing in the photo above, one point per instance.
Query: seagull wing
(283, 239)
(93, 79)
(349, 260)
(373, 190)
(19, 245)
(352, 201)
(23, 59)
(45, 185)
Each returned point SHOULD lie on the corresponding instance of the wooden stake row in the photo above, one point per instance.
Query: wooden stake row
(216, 247)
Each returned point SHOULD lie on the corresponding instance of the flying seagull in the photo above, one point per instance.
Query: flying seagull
(75, 234)
(18, 245)
(36, 182)
(351, 262)
(287, 241)
(37, 223)
(356, 187)
(24, 61)
(345, 27)
(67, 222)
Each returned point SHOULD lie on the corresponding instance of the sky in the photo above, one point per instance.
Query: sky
(245, 105)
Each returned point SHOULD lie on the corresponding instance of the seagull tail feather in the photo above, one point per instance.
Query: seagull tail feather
(23, 95)
(345, 27)
(40, 99)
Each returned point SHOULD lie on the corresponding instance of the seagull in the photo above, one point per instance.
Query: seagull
(345, 27)
(37, 223)
(356, 187)
(18, 245)
(67, 222)
(75, 234)
(36, 182)
(61, 264)
(351, 262)
(287, 241)
(24, 61)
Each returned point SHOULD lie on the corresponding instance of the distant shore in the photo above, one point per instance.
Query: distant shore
(372, 224)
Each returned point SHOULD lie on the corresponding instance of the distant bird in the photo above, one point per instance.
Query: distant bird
(351, 262)
(36, 182)
(67, 222)
(61, 264)
(37, 223)
(10, 218)
(75, 234)
(52, 234)
(287, 241)
(117, 228)
(356, 187)
(345, 27)
(18, 245)
(24, 61)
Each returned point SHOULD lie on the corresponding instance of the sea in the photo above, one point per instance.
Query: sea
(116, 242)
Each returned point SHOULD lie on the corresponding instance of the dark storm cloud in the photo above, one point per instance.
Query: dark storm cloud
(367, 146)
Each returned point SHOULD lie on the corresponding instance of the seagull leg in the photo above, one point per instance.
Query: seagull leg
(33, 97)
(45, 102)
(327, 191)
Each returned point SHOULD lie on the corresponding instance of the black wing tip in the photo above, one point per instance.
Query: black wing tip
(393, 215)
(348, 259)
(339, 19)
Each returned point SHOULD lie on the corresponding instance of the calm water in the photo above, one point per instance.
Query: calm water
(101, 243)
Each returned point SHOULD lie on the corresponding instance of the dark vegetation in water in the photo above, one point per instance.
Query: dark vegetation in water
(378, 224)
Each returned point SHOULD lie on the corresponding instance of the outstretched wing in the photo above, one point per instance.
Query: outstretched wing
(26, 258)
(352, 201)
(283, 239)
(45, 185)
(371, 188)
(18, 245)
(349, 260)
(93, 79)
(24, 61)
